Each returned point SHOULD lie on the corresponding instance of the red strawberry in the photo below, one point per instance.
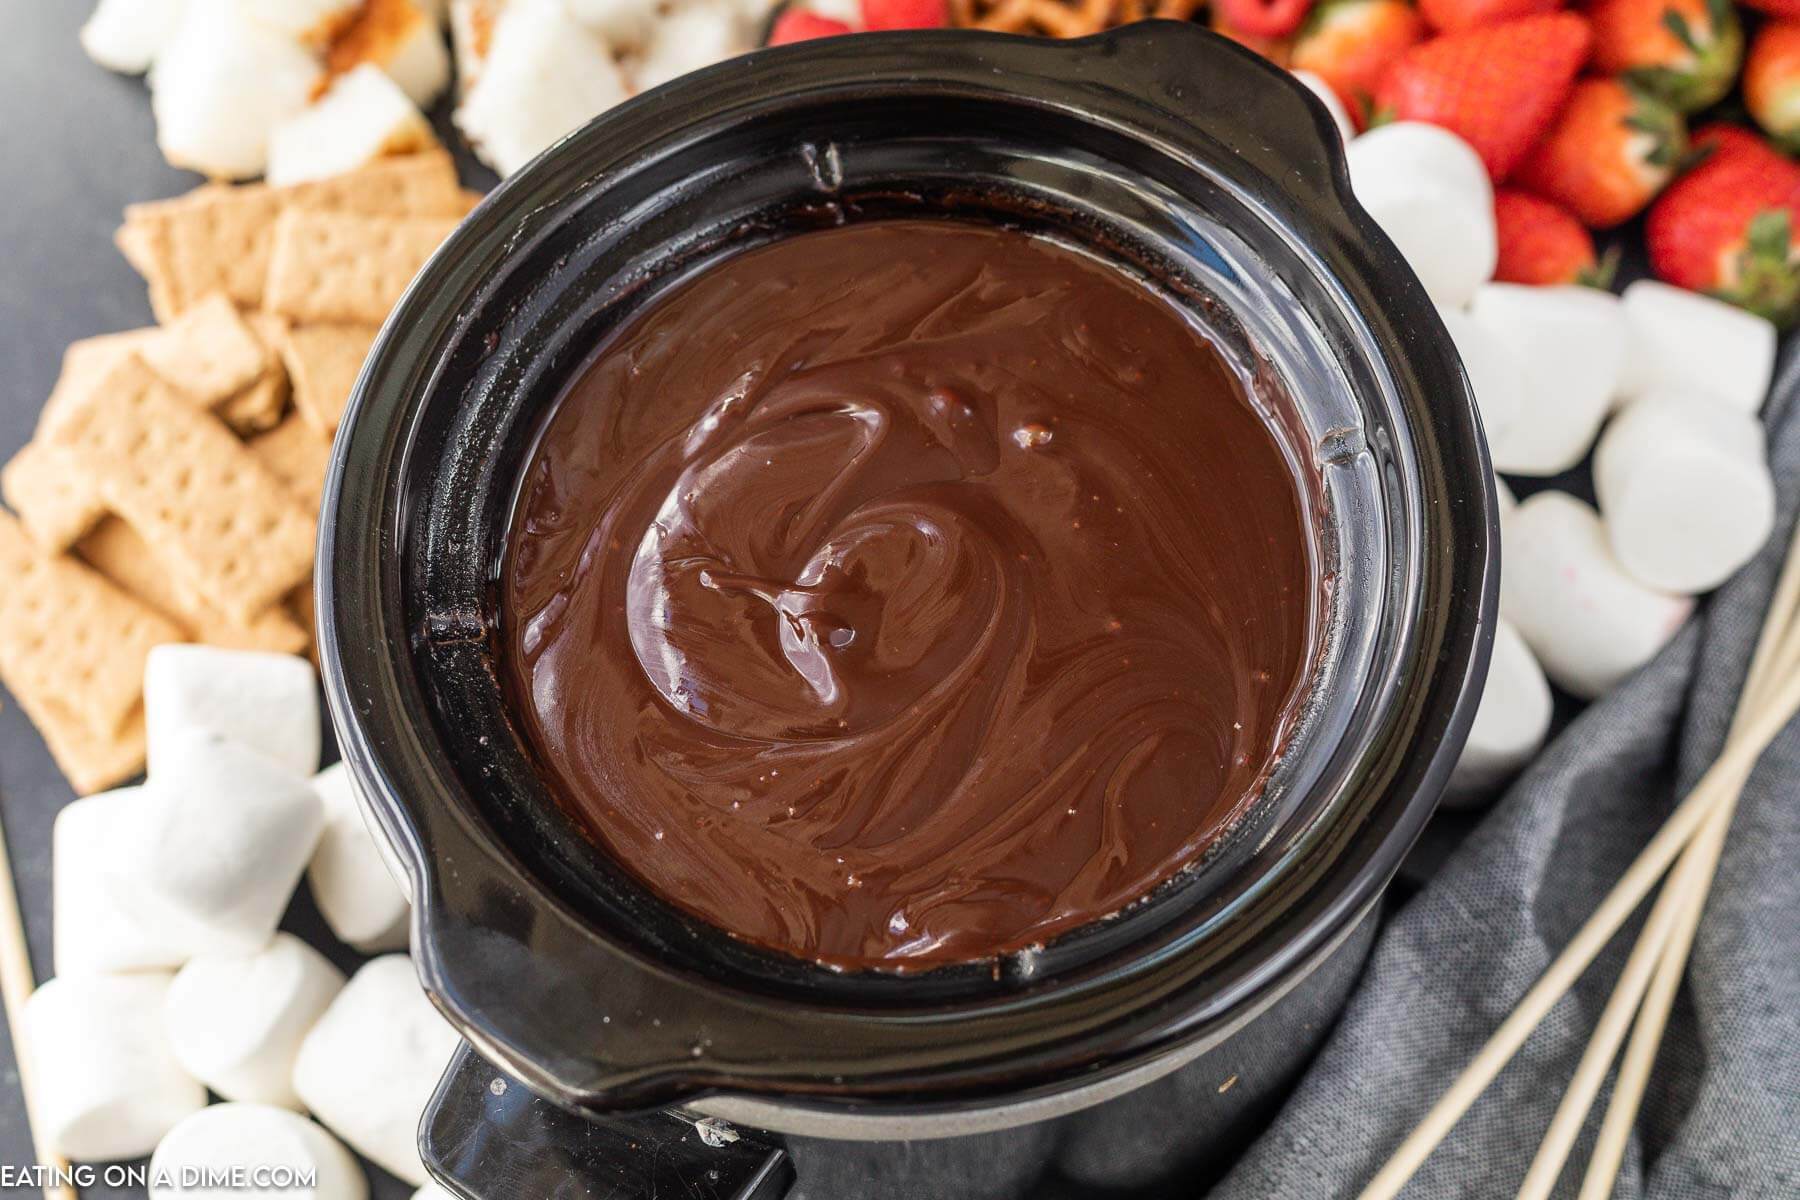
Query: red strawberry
(1263, 18)
(1497, 86)
(803, 25)
(1350, 43)
(1276, 50)
(1542, 243)
(1685, 51)
(905, 14)
(1772, 82)
(1730, 227)
(1448, 16)
(1775, 8)
(1610, 151)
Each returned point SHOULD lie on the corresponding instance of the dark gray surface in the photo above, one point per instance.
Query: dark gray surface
(78, 144)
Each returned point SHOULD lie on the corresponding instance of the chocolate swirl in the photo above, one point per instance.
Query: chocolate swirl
(908, 593)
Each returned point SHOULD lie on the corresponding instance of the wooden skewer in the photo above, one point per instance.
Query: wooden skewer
(16, 984)
(1770, 699)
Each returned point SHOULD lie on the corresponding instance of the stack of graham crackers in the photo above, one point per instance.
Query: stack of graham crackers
(171, 491)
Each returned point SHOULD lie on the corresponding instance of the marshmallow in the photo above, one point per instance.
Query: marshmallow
(221, 84)
(471, 30)
(1685, 342)
(1428, 191)
(1495, 375)
(1510, 722)
(1685, 490)
(431, 1191)
(1589, 623)
(266, 702)
(365, 116)
(93, 930)
(127, 35)
(311, 21)
(1570, 344)
(348, 875)
(254, 1138)
(370, 1065)
(1504, 500)
(1333, 105)
(511, 113)
(621, 24)
(688, 39)
(235, 1021)
(220, 838)
(107, 1086)
(406, 43)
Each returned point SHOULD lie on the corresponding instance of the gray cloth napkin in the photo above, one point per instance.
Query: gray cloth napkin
(1722, 1118)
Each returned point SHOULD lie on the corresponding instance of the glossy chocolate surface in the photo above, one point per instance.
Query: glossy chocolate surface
(908, 593)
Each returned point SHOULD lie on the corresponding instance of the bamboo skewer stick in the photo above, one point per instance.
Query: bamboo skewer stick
(16, 985)
(1770, 698)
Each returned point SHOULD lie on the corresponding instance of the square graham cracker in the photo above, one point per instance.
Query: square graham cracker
(343, 267)
(323, 362)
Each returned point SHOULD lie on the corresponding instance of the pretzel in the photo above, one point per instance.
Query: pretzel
(1063, 18)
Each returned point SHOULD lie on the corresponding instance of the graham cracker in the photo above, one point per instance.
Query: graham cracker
(208, 351)
(298, 454)
(345, 267)
(116, 551)
(204, 503)
(259, 407)
(56, 501)
(70, 640)
(90, 762)
(84, 364)
(323, 362)
(218, 238)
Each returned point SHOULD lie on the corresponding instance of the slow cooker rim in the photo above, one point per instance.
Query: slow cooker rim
(344, 655)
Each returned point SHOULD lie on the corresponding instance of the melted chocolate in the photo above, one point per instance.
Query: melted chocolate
(908, 593)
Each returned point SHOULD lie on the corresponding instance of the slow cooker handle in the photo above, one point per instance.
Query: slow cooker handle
(486, 1136)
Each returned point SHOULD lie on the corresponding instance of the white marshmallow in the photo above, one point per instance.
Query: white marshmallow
(266, 702)
(370, 1065)
(1428, 191)
(544, 76)
(253, 1137)
(365, 116)
(310, 21)
(127, 35)
(348, 875)
(221, 84)
(1504, 500)
(1589, 623)
(1329, 99)
(432, 1191)
(1494, 372)
(847, 11)
(220, 838)
(1510, 722)
(107, 1086)
(688, 39)
(471, 30)
(411, 50)
(1685, 490)
(621, 24)
(1685, 342)
(1570, 344)
(93, 931)
(235, 1021)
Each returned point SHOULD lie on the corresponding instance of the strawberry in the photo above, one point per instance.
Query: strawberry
(1276, 50)
(1610, 151)
(1496, 86)
(1263, 18)
(1349, 44)
(1448, 16)
(1730, 227)
(1542, 243)
(905, 14)
(803, 25)
(1685, 51)
(1772, 82)
(1775, 8)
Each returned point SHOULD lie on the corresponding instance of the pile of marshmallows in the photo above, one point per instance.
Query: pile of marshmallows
(1680, 470)
(171, 978)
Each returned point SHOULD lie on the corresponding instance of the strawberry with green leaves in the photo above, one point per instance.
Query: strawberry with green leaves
(1350, 44)
(1610, 151)
(1772, 82)
(1730, 227)
(1686, 52)
(1542, 243)
(1498, 87)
